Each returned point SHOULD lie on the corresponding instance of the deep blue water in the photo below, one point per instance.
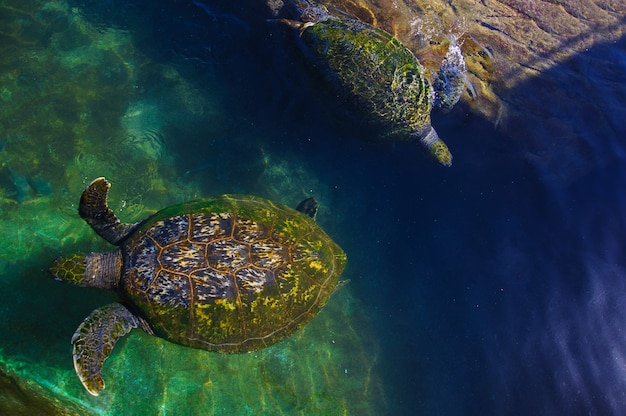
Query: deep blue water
(497, 286)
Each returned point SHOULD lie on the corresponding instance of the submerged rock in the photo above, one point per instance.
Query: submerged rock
(20, 396)
(503, 41)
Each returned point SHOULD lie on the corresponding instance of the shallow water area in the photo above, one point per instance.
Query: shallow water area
(493, 287)
(80, 100)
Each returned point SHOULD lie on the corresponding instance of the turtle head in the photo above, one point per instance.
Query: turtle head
(69, 269)
(101, 270)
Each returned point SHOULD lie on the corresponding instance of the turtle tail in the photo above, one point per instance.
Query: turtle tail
(435, 146)
(101, 270)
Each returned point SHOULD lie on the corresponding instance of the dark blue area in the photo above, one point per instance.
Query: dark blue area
(496, 286)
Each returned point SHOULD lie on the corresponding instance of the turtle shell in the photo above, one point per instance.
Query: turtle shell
(231, 273)
(375, 73)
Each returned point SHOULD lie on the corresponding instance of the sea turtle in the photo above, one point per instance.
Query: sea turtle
(232, 273)
(378, 76)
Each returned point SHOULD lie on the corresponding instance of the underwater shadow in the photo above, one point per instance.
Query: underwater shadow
(559, 337)
(501, 278)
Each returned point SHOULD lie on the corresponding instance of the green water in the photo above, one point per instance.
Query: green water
(80, 101)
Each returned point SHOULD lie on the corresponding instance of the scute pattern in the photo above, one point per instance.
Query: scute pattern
(230, 274)
(228, 255)
(211, 284)
(251, 281)
(171, 289)
(268, 254)
(143, 262)
(170, 230)
(248, 231)
(207, 227)
(186, 256)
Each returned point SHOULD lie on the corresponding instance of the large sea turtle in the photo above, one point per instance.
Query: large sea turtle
(379, 78)
(231, 273)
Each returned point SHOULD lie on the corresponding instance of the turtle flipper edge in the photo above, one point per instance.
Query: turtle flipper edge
(93, 208)
(95, 338)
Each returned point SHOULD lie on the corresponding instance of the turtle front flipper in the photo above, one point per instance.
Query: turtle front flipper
(94, 209)
(452, 78)
(95, 338)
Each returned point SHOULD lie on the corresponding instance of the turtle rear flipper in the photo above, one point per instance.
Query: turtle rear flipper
(95, 338)
(452, 78)
(308, 207)
(94, 209)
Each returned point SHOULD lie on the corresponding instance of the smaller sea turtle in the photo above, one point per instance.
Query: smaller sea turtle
(232, 273)
(377, 76)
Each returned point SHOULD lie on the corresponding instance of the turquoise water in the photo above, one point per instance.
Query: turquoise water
(493, 287)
